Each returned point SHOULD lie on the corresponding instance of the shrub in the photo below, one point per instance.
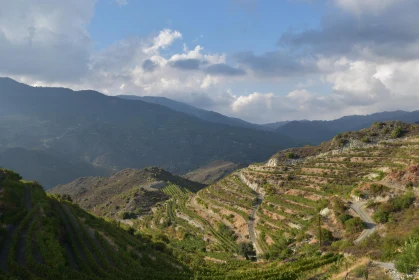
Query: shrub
(354, 225)
(399, 203)
(380, 216)
(344, 217)
(246, 249)
(397, 132)
(376, 189)
(408, 260)
(327, 235)
(291, 155)
(365, 139)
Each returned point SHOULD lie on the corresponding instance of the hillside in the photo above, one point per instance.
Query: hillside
(49, 237)
(315, 132)
(113, 133)
(212, 172)
(205, 115)
(360, 187)
(45, 237)
(129, 192)
(47, 168)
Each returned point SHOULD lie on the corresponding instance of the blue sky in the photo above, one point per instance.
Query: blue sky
(225, 26)
(259, 60)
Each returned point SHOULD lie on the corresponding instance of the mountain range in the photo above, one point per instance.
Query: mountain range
(58, 129)
(111, 133)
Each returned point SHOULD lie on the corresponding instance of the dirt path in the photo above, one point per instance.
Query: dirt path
(371, 227)
(251, 223)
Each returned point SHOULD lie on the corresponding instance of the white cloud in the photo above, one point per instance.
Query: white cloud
(47, 43)
(122, 2)
(366, 6)
(45, 40)
(165, 38)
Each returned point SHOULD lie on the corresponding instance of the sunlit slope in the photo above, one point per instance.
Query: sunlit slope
(295, 204)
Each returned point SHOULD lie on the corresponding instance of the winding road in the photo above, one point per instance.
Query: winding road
(251, 223)
(371, 227)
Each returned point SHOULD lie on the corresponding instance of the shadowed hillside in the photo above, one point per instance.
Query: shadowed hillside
(114, 133)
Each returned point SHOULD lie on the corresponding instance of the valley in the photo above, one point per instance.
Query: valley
(306, 213)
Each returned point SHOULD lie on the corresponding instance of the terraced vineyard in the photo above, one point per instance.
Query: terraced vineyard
(48, 238)
(289, 218)
(295, 203)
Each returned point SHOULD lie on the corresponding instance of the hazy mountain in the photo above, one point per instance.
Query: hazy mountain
(274, 125)
(114, 133)
(205, 115)
(315, 132)
(47, 168)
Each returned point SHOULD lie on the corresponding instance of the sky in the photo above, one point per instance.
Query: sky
(259, 60)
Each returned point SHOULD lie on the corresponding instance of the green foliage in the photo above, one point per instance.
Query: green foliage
(225, 231)
(377, 189)
(408, 260)
(291, 155)
(326, 235)
(381, 216)
(365, 139)
(397, 132)
(344, 217)
(401, 202)
(246, 250)
(354, 225)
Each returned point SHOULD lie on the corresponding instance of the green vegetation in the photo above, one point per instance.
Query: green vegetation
(395, 204)
(397, 132)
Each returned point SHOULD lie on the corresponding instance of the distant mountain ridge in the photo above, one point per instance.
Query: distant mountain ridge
(112, 133)
(205, 115)
(315, 132)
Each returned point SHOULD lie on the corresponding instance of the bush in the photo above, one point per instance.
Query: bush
(246, 250)
(344, 217)
(327, 235)
(408, 260)
(380, 216)
(399, 203)
(376, 189)
(291, 155)
(354, 225)
(365, 139)
(397, 132)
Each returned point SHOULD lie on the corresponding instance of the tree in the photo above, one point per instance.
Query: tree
(408, 260)
(247, 250)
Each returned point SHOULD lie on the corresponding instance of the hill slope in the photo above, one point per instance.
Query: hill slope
(277, 207)
(129, 192)
(205, 115)
(212, 172)
(315, 132)
(47, 237)
(47, 168)
(114, 133)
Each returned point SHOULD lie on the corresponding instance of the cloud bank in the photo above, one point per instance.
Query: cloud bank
(363, 58)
